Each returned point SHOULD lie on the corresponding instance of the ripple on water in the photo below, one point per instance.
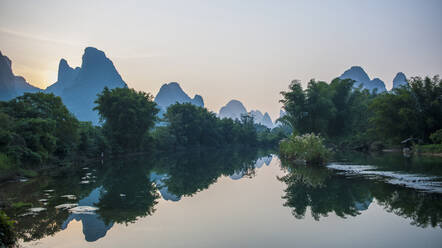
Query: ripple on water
(66, 206)
(70, 197)
(83, 210)
(415, 181)
(33, 211)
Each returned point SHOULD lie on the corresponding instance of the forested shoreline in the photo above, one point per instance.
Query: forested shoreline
(38, 131)
(352, 118)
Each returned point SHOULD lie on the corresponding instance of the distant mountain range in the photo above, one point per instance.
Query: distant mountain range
(234, 109)
(172, 93)
(361, 78)
(10, 85)
(78, 87)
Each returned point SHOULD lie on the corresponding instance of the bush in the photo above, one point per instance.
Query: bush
(7, 236)
(308, 148)
(21, 205)
(430, 148)
(436, 137)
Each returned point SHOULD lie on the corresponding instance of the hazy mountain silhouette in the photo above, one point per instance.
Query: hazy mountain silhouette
(172, 93)
(93, 226)
(66, 76)
(233, 110)
(79, 87)
(259, 118)
(10, 85)
(360, 77)
(399, 80)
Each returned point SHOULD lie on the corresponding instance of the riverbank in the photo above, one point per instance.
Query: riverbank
(429, 150)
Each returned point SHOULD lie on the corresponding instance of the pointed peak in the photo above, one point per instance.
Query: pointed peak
(399, 80)
(7, 60)
(63, 64)
(355, 73)
(400, 76)
(94, 56)
(198, 100)
(93, 50)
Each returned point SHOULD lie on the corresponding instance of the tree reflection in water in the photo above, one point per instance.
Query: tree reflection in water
(324, 191)
(123, 189)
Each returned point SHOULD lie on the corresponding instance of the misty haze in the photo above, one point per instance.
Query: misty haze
(220, 123)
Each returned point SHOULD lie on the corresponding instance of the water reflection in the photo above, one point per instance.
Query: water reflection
(121, 190)
(126, 189)
(325, 191)
(93, 227)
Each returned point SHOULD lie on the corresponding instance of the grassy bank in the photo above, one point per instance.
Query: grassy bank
(429, 149)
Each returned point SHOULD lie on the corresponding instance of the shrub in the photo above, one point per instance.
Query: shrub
(308, 148)
(7, 236)
(436, 137)
(429, 148)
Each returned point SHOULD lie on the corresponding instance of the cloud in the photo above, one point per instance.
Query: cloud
(40, 38)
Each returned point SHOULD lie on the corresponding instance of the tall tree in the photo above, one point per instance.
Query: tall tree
(128, 116)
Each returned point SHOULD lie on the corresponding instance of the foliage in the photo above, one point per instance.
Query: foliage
(91, 140)
(21, 204)
(355, 118)
(413, 111)
(35, 129)
(127, 116)
(429, 148)
(271, 137)
(307, 147)
(190, 125)
(7, 236)
(336, 111)
(436, 137)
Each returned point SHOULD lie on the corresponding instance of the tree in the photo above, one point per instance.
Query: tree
(192, 125)
(294, 104)
(37, 128)
(128, 116)
(412, 111)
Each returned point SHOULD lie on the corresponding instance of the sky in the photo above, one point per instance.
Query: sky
(223, 50)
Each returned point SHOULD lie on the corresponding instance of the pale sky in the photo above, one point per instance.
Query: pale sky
(223, 50)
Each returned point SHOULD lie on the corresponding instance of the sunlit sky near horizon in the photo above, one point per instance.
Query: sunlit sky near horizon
(223, 50)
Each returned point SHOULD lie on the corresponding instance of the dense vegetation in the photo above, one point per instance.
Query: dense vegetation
(354, 118)
(128, 116)
(190, 125)
(37, 130)
(305, 149)
(7, 235)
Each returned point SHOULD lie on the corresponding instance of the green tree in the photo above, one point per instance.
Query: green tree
(413, 111)
(46, 107)
(128, 116)
(294, 104)
(192, 125)
(37, 128)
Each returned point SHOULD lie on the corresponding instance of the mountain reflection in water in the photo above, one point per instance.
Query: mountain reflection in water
(124, 190)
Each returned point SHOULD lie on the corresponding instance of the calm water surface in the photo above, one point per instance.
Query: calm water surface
(209, 198)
